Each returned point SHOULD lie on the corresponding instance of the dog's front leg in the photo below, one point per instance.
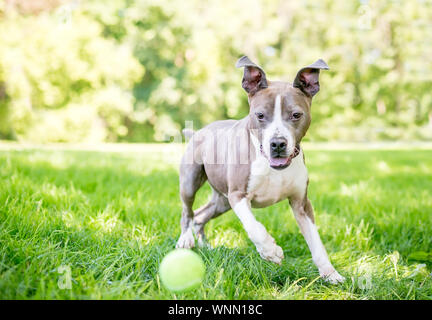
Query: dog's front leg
(304, 215)
(265, 244)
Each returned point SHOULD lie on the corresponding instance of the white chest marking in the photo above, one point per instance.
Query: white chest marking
(267, 186)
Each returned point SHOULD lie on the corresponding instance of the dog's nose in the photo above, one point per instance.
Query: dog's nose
(278, 145)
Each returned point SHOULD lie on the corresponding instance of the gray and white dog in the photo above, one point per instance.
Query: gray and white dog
(256, 162)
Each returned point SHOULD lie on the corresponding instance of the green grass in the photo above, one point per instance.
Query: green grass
(111, 217)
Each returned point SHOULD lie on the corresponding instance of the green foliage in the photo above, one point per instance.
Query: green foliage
(421, 256)
(137, 70)
(111, 218)
(64, 80)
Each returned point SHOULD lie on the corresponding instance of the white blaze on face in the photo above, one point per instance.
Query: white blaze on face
(277, 129)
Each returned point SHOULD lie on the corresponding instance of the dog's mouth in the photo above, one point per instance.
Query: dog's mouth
(279, 162)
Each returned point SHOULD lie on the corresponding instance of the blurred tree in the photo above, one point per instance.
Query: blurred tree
(63, 80)
(125, 70)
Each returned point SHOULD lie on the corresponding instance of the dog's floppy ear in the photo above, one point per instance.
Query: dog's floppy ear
(254, 78)
(307, 79)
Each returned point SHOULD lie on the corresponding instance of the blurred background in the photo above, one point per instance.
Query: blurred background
(135, 71)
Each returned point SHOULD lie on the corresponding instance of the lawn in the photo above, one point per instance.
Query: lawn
(106, 217)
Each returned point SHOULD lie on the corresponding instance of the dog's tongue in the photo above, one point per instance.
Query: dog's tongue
(278, 162)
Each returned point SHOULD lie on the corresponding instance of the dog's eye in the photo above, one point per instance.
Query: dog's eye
(260, 115)
(296, 115)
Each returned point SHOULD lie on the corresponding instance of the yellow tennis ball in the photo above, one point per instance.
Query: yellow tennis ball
(181, 270)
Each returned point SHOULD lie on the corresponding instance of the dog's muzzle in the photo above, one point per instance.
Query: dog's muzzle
(280, 163)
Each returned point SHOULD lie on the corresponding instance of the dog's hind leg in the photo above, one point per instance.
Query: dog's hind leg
(217, 205)
(192, 177)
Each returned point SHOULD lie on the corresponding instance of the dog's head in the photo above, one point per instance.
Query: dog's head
(280, 111)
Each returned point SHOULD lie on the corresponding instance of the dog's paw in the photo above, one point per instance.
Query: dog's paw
(271, 251)
(334, 277)
(186, 240)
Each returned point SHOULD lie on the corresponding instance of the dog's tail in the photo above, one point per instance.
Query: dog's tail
(188, 133)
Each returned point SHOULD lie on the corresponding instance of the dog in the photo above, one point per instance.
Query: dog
(256, 162)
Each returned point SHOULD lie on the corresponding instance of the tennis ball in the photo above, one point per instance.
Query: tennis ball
(181, 270)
